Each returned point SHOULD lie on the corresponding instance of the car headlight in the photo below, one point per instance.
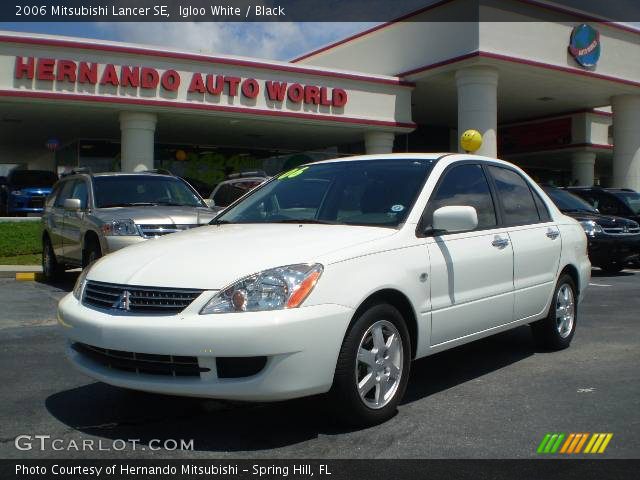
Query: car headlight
(120, 227)
(16, 192)
(273, 289)
(590, 227)
(78, 288)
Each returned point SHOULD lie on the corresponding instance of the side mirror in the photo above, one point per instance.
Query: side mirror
(72, 204)
(454, 218)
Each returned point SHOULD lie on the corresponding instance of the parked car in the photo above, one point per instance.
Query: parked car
(24, 191)
(331, 278)
(621, 202)
(613, 241)
(236, 185)
(87, 216)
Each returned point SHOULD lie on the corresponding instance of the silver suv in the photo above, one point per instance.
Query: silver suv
(87, 216)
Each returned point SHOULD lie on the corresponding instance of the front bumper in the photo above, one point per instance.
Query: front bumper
(301, 346)
(606, 249)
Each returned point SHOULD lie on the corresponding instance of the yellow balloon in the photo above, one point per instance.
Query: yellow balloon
(471, 140)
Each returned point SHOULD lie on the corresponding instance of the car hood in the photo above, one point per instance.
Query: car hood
(214, 256)
(607, 221)
(157, 215)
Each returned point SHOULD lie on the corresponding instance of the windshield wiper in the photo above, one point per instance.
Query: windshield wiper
(219, 222)
(307, 220)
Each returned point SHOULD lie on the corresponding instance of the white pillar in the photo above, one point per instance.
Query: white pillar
(478, 106)
(582, 167)
(626, 141)
(378, 142)
(136, 144)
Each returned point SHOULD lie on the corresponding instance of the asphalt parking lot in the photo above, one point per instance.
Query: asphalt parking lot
(495, 398)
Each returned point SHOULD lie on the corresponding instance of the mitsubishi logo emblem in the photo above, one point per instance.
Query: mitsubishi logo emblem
(123, 301)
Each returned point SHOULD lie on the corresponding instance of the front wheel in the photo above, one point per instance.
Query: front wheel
(556, 331)
(373, 367)
(92, 252)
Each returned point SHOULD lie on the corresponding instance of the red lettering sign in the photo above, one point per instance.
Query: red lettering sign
(276, 90)
(23, 69)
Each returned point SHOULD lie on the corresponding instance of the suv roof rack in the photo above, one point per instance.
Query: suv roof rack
(247, 173)
(77, 171)
(159, 171)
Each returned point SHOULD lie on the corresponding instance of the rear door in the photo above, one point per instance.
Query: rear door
(471, 272)
(535, 238)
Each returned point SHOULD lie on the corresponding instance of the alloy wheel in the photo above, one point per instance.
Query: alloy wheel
(379, 364)
(565, 310)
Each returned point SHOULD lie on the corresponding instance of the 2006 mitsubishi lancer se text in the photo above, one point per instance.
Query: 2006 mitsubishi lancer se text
(331, 278)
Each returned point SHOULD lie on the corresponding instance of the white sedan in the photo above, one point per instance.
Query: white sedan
(331, 278)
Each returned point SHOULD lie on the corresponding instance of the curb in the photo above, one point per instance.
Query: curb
(21, 272)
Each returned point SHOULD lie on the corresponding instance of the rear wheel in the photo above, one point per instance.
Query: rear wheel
(51, 269)
(373, 367)
(556, 331)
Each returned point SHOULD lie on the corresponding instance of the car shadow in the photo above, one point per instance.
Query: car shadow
(597, 273)
(113, 413)
(66, 281)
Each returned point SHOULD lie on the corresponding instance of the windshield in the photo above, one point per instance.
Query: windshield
(568, 202)
(632, 199)
(132, 190)
(367, 192)
(32, 178)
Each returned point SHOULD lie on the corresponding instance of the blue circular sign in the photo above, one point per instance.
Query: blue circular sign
(585, 45)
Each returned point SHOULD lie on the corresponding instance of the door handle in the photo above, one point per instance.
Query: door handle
(500, 242)
(553, 234)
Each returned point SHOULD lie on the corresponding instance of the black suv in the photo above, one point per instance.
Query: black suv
(613, 242)
(622, 202)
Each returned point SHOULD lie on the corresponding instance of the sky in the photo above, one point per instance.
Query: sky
(269, 40)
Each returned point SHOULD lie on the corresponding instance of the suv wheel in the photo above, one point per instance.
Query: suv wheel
(556, 331)
(91, 253)
(373, 367)
(51, 269)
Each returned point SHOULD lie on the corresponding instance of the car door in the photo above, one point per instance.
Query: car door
(471, 272)
(55, 220)
(72, 237)
(535, 239)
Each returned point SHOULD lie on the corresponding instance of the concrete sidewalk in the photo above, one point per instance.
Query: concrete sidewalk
(9, 271)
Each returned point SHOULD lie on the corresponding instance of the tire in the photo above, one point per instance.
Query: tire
(612, 268)
(556, 331)
(366, 406)
(91, 253)
(51, 269)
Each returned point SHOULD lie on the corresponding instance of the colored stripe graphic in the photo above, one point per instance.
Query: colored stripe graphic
(573, 443)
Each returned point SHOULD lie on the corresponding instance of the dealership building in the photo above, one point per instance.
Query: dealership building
(554, 91)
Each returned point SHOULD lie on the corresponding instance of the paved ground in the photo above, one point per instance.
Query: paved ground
(494, 398)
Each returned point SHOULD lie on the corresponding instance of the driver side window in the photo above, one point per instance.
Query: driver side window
(464, 185)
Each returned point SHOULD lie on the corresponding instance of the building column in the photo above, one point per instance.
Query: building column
(626, 141)
(582, 168)
(478, 106)
(137, 138)
(378, 142)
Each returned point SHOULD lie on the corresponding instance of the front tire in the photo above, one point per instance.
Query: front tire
(91, 253)
(556, 331)
(373, 367)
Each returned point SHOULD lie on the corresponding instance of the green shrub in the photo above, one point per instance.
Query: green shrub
(20, 238)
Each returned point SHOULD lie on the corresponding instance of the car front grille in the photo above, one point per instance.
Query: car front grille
(622, 230)
(142, 363)
(37, 201)
(157, 230)
(145, 300)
